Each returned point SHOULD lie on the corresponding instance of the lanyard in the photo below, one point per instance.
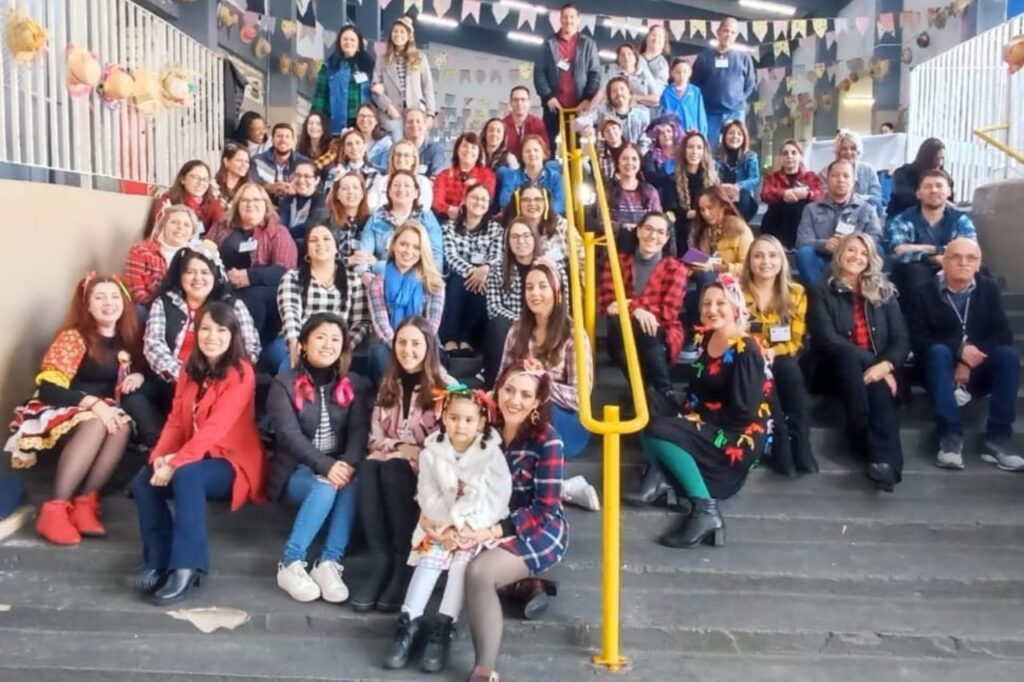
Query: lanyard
(961, 318)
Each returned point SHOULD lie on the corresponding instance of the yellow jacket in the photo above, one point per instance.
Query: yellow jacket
(797, 322)
(732, 246)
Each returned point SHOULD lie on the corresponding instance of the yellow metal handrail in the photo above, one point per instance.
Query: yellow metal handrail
(611, 427)
(986, 135)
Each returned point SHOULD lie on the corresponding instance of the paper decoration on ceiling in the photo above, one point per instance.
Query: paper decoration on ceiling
(826, 102)
(83, 71)
(306, 14)
(441, 7)
(176, 87)
(1013, 54)
(880, 68)
(25, 37)
(440, 59)
(499, 11)
(299, 69)
(117, 84)
(289, 28)
(248, 33)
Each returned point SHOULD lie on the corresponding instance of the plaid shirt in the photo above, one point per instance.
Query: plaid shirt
(380, 316)
(663, 296)
(797, 322)
(482, 246)
(777, 182)
(274, 244)
(564, 382)
(144, 270)
(542, 531)
(911, 227)
(861, 335)
(505, 301)
(294, 311)
(634, 124)
(163, 359)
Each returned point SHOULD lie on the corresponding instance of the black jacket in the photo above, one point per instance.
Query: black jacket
(830, 322)
(294, 430)
(932, 320)
(586, 69)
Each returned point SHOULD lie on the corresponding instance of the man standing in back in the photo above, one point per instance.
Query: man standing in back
(520, 122)
(725, 75)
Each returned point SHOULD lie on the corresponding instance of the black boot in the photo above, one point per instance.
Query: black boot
(435, 654)
(401, 646)
(147, 580)
(883, 476)
(390, 600)
(703, 525)
(366, 592)
(653, 488)
(530, 595)
(177, 585)
(803, 453)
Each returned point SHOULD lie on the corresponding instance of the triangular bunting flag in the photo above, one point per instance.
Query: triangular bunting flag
(760, 29)
(698, 28)
(407, 4)
(820, 26)
(830, 39)
(527, 17)
(742, 27)
(500, 11)
(555, 19)
(862, 24)
(383, 4)
(588, 22)
(780, 29)
(797, 28)
(886, 24)
(288, 28)
(471, 8)
(441, 7)
(831, 71)
(269, 23)
(819, 69)
(841, 25)
(678, 28)
(761, 75)
(780, 47)
(714, 27)
(329, 38)
(789, 82)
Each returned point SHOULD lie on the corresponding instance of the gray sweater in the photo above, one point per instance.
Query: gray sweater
(819, 220)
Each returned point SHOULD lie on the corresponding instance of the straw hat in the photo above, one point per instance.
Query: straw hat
(25, 37)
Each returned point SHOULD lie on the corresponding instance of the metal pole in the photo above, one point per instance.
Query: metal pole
(609, 656)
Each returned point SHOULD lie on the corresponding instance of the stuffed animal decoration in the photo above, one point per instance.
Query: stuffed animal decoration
(176, 87)
(117, 84)
(262, 48)
(83, 71)
(284, 64)
(1013, 54)
(25, 37)
(248, 33)
(299, 69)
(226, 18)
(148, 92)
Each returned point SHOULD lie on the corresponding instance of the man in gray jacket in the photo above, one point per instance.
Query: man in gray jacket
(569, 73)
(824, 223)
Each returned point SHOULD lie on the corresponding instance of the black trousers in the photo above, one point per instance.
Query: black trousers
(387, 505)
(909, 276)
(872, 412)
(494, 347)
(790, 403)
(651, 350)
(261, 302)
(148, 407)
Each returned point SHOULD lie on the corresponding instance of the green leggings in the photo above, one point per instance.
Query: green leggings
(680, 464)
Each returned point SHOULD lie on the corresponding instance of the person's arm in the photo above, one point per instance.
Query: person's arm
(702, 114)
(823, 332)
(545, 89)
(495, 295)
(511, 181)
(381, 99)
(672, 289)
(797, 324)
(367, 242)
(358, 317)
(456, 262)
(872, 225)
(743, 242)
(436, 239)
(805, 234)
(290, 305)
(965, 228)
(997, 331)
(321, 98)
(433, 305)
(606, 290)
(234, 399)
(773, 188)
(900, 233)
(874, 188)
(440, 201)
(250, 335)
(427, 89)
(593, 66)
(749, 77)
(288, 435)
(895, 352)
(557, 189)
(172, 435)
(161, 358)
(380, 318)
(358, 424)
(747, 390)
(752, 174)
(815, 190)
(546, 503)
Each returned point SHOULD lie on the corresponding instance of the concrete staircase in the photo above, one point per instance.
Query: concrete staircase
(823, 578)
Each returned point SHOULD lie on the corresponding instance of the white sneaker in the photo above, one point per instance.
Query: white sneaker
(327, 574)
(577, 491)
(950, 453)
(993, 453)
(294, 580)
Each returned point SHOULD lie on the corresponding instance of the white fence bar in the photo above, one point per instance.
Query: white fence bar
(963, 89)
(42, 126)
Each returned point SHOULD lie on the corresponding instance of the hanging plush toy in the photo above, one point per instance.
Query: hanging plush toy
(25, 37)
(147, 96)
(262, 48)
(1013, 54)
(299, 69)
(248, 33)
(284, 64)
(116, 85)
(176, 87)
(226, 18)
(83, 71)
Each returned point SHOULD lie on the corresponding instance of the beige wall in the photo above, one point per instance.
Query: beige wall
(53, 234)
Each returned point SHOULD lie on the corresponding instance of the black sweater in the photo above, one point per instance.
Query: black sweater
(932, 320)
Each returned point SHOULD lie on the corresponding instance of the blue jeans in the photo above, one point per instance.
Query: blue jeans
(811, 266)
(465, 313)
(179, 541)
(275, 357)
(716, 121)
(998, 376)
(567, 423)
(317, 501)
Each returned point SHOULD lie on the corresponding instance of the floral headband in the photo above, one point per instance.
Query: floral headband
(208, 249)
(443, 396)
(734, 294)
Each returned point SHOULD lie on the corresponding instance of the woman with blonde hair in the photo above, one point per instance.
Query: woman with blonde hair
(404, 156)
(402, 79)
(778, 309)
(147, 261)
(410, 284)
(859, 342)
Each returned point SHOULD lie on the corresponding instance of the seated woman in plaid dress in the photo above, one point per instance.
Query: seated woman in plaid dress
(464, 485)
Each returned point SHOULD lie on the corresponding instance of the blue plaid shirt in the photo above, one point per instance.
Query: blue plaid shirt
(910, 227)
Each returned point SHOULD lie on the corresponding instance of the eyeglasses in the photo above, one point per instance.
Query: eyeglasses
(527, 237)
(257, 200)
(660, 231)
(532, 200)
(198, 178)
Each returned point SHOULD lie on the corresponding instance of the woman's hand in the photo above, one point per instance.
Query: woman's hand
(377, 89)
(648, 322)
(877, 372)
(476, 283)
(732, 191)
(340, 474)
(239, 278)
(790, 197)
(132, 383)
(391, 111)
(409, 452)
(113, 418)
(163, 472)
(453, 212)
(449, 539)
(468, 539)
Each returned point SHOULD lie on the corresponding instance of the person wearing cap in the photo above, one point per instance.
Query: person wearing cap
(725, 75)
(402, 79)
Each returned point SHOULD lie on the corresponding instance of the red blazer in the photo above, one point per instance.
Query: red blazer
(533, 126)
(449, 190)
(223, 425)
(777, 182)
(663, 296)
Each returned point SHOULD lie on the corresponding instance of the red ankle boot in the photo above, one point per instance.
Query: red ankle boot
(85, 515)
(54, 523)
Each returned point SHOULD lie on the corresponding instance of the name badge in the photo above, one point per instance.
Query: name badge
(360, 77)
(423, 169)
(563, 65)
(722, 63)
(248, 246)
(779, 334)
(478, 259)
(843, 229)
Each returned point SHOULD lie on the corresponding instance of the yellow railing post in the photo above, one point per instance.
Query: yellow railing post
(590, 285)
(986, 135)
(611, 591)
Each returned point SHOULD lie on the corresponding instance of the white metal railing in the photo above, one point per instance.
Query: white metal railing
(961, 90)
(42, 126)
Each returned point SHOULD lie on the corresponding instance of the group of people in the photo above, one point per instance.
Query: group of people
(289, 327)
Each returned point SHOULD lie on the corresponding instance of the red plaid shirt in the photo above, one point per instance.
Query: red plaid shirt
(144, 269)
(861, 335)
(663, 296)
(449, 190)
(777, 182)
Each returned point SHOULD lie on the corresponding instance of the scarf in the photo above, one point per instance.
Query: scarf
(403, 294)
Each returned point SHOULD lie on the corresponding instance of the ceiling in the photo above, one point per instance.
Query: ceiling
(805, 8)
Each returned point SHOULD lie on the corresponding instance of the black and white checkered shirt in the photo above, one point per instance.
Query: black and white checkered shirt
(482, 246)
(355, 309)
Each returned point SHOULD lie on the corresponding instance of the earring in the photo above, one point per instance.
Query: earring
(306, 258)
(534, 417)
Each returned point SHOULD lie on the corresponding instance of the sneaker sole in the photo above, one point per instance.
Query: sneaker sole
(949, 465)
(992, 460)
(305, 599)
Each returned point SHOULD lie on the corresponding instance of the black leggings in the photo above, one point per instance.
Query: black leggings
(791, 446)
(387, 505)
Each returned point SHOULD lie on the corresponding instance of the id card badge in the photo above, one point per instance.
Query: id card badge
(779, 333)
(359, 77)
(248, 246)
(843, 229)
(722, 63)
(478, 259)
(422, 169)
(563, 65)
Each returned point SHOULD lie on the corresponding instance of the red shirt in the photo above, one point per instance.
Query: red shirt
(861, 335)
(566, 92)
(189, 339)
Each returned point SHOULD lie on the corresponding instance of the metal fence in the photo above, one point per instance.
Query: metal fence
(960, 91)
(43, 126)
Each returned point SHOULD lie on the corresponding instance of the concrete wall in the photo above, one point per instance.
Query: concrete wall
(53, 235)
(996, 213)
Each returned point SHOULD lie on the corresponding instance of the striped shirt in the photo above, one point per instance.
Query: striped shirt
(325, 440)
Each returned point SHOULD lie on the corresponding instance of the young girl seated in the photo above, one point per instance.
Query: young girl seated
(464, 487)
